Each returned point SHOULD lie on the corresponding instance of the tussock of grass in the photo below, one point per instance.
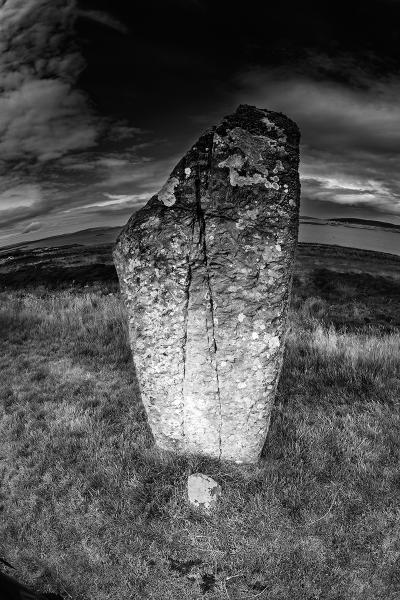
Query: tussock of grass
(89, 508)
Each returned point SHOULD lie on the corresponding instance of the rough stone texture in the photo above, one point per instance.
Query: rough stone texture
(203, 491)
(205, 269)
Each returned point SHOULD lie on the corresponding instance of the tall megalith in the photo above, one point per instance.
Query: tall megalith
(205, 269)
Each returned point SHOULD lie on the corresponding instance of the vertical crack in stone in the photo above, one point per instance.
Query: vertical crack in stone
(185, 326)
(185, 335)
(203, 245)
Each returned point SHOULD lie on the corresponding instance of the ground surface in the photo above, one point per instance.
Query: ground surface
(89, 508)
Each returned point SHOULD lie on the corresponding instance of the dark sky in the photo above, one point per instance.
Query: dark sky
(99, 100)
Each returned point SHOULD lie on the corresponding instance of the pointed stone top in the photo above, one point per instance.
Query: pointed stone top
(252, 147)
(258, 121)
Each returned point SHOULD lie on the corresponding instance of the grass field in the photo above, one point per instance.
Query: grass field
(89, 508)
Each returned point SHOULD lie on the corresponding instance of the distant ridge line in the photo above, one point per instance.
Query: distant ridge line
(370, 222)
(355, 220)
(62, 235)
(86, 237)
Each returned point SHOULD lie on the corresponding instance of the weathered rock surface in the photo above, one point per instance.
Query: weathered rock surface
(205, 269)
(203, 491)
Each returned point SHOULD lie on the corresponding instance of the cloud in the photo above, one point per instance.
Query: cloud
(125, 198)
(115, 183)
(350, 137)
(104, 18)
(44, 119)
(116, 186)
(31, 227)
(55, 151)
(124, 201)
(21, 202)
(24, 195)
(112, 162)
(349, 192)
(140, 174)
(42, 114)
(121, 131)
(48, 130)
(329, 113)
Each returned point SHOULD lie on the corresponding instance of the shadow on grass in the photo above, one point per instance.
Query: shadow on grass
(11, 589)
(57, 278)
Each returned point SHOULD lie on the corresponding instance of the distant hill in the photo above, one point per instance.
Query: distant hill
(85, 237)
(350, 221)
(366, 222)
(107, 235)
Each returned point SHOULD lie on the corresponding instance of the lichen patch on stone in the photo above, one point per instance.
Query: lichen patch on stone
(167, 193)
(272, 127)
(269, 124)
(279, 167)
(273, 342)
(248, 168)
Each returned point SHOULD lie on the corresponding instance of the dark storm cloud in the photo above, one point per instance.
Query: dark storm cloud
(42, 114)
(45, 118)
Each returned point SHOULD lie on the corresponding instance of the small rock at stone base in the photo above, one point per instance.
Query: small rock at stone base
(203, 491)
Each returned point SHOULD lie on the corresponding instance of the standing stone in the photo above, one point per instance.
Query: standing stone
(205, 269)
